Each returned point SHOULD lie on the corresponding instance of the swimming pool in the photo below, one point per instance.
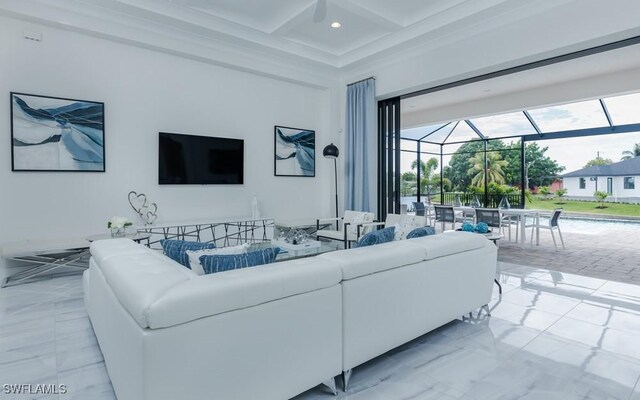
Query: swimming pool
(595, 226)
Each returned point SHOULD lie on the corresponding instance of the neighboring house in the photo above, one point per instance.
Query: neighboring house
(555, 185)
(620, 180)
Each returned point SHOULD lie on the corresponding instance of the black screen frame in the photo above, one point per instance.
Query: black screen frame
(167, 180)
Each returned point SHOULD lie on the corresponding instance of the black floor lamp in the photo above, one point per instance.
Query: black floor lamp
(331, 151)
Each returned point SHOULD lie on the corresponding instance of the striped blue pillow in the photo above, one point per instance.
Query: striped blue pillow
(422, 231)
(177, 249)
(227, 262)
(377, 237)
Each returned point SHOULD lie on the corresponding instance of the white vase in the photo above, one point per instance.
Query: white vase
(118, 232)
(255, 210)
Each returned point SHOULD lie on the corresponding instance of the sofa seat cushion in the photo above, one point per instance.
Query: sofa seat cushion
(237, 289)
(448, 243)
(369, 260)
(139, 279)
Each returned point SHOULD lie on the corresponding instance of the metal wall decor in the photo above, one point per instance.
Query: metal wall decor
(148, 212)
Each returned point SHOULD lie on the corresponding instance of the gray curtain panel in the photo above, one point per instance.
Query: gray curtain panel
(360, 147)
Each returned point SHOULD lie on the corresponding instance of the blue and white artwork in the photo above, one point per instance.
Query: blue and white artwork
(295, 152)
(55, 134)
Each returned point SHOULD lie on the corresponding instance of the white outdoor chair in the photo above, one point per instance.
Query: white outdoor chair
(347, 227)
(551, 227)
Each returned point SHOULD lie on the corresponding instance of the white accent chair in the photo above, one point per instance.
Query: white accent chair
(406, 223)
(346, 227)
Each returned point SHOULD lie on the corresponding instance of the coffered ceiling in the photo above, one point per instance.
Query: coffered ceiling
(429, 40)
(367, 26)
(281, 21)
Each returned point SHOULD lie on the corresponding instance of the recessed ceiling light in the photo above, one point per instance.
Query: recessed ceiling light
(336, 25)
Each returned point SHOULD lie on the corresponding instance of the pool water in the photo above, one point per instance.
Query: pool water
(594, 226)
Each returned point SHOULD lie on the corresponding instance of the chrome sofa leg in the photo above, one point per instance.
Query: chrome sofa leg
(486, 308)
(346, 376)
(331, 384)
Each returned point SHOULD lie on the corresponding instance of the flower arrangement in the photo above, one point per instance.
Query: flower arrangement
(118, 226)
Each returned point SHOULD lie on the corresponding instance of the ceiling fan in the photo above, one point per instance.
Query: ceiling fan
(321, 11)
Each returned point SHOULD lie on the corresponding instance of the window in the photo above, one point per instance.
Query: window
(583, 183)
(629, 182)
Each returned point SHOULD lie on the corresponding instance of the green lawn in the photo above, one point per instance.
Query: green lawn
(630, 210)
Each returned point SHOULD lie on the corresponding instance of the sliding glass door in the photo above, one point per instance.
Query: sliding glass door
(389, 146)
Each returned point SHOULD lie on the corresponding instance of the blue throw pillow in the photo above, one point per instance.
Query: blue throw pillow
(227, 262)
(177, 249)
(377, 237)
(422, 231)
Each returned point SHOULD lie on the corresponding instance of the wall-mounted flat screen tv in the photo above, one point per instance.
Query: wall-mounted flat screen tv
(200, 160)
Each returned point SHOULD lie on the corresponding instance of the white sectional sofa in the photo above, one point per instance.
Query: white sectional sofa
(274, 331)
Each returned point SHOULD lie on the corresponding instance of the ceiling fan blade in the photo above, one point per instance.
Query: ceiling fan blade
(321, 11)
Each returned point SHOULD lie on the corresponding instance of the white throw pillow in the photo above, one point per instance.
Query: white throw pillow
(194, 256)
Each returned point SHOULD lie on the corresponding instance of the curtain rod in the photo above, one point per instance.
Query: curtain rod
(362, 80)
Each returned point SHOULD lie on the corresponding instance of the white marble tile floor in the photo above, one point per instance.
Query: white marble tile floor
(551, 336)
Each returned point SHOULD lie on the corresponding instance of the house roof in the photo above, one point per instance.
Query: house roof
(630, 167)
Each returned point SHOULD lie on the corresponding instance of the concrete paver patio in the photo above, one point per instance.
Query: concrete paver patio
(611, 255)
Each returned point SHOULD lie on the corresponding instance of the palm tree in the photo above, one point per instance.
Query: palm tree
(426, 173)
(628, 154)
(495, 165)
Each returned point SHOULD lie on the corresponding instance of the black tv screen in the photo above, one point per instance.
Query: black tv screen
(200, 160)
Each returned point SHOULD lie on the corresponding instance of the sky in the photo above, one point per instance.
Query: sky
(571, 153)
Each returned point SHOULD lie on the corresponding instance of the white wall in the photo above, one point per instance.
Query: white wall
(619, 193)
(146, 92)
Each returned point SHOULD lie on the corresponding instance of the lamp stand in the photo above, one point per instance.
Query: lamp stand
(335, 180)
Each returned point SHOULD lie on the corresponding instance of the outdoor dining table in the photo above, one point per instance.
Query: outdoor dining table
(520, 213)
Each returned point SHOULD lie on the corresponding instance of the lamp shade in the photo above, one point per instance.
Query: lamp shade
(330, 151)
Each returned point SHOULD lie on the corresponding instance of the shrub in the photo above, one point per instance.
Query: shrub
(600, 196)
(561, 193)
(544, 190)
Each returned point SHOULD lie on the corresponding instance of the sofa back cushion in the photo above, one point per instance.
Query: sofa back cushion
(227, 291)
(177, 249)
(448, 243)
(362, 261)
(377, 237)
(212, 264)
